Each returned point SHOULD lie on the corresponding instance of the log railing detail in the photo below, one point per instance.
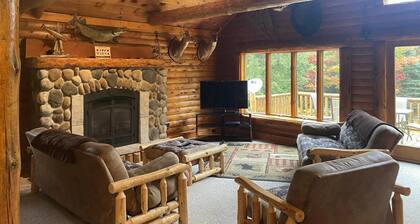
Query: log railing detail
(166, 212)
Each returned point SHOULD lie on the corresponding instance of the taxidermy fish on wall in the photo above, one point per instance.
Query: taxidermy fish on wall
(96, 34)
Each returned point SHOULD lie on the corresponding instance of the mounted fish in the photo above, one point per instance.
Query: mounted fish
(58, 50)
(35, 7)
(177, 47)
(96, 34)
(206, 48)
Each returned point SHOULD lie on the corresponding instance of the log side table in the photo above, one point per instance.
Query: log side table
(190, 152)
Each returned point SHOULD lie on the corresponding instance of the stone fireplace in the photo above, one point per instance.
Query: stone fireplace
(120, 102)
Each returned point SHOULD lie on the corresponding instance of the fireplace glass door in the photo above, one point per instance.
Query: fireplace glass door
(111, 116)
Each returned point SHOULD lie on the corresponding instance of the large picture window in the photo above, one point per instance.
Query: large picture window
(294, 84)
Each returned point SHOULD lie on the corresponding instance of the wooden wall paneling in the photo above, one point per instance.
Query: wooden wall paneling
(345, 81)
(9, 115)
(390, 80)
(380, 80)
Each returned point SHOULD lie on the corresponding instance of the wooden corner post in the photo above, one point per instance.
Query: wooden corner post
(9, 114)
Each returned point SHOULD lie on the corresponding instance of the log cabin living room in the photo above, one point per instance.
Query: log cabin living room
(210, 111)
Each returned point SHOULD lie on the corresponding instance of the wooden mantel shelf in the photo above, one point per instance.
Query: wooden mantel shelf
(91, 63)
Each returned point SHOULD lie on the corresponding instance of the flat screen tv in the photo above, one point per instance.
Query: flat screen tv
(223, 94)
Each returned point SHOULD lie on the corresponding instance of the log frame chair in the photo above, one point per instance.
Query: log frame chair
(209, 155)
(295, 215)
(166, 212)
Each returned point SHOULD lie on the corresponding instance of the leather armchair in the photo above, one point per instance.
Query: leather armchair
(356, 189)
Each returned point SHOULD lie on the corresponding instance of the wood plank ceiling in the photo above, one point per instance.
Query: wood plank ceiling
(132, 10)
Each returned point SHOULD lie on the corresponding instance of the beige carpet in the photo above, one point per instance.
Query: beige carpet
(210, 201)
(261, 161)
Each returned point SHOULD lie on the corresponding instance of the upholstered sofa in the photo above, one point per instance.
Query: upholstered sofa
(97, 186)
(338, 191)
(359, 131)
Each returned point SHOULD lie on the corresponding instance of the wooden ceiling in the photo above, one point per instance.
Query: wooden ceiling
(203, 14)
(131, 10)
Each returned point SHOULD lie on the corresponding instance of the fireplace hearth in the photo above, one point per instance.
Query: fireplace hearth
(111, 116)
(116, 101)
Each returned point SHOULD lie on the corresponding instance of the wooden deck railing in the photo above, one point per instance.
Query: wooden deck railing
(414, 105)
(280, 104)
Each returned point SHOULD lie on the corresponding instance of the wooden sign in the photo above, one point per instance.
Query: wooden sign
(102, 52)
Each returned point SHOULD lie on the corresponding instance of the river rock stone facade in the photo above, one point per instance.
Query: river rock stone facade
(58, 87)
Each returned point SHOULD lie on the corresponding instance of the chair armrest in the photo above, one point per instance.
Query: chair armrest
(136, 181)
(318, 153)
(397, 203)
(290, 210)
(398, 189)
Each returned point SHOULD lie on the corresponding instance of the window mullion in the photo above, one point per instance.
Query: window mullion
(319, 85)
(268, 83)
(293, 90)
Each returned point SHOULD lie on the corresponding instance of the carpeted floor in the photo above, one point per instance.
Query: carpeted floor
(210, 201)
(261, 161)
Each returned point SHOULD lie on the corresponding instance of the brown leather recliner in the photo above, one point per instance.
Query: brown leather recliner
(84, 187)
(353, 190)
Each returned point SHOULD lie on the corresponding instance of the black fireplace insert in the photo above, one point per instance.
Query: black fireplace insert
(112, 116)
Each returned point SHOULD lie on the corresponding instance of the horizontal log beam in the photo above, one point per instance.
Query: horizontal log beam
(91, 63)
(211, 10)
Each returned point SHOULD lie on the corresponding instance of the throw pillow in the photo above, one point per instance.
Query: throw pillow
(350, 138)
(323, 129)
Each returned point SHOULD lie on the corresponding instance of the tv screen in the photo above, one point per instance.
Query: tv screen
(224, 94)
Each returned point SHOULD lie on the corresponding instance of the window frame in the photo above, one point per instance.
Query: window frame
(386, 2)
(293, 76)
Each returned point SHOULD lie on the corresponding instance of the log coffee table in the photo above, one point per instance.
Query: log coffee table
(190, 152)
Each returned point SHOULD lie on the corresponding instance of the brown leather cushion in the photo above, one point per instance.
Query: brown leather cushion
(346, 191)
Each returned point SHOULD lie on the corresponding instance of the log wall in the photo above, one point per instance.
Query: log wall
(183, 79)
(138, 42)
(361, 28)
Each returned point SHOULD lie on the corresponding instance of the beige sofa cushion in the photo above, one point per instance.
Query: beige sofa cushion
(168, 159)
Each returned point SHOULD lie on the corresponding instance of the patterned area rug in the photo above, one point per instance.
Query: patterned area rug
(261, 161)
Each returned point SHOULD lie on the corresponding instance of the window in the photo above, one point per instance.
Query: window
(407, 93)
(255, 73)
(294, 84)
(391, 2)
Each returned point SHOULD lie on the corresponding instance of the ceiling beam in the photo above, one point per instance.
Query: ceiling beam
(36, 7)
(215, 9)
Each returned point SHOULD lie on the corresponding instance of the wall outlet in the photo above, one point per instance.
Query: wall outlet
(102, 52)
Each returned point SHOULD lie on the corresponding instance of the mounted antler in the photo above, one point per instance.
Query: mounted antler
(205, 49)
(177, 47)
